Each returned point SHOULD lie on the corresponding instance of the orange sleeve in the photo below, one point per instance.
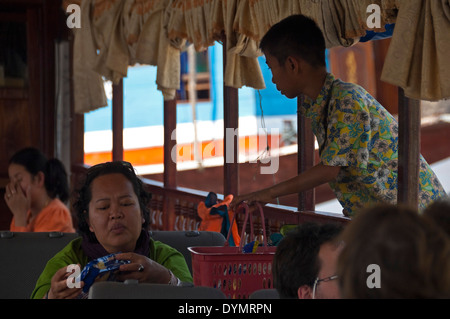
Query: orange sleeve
(15, 228)
(18, 229)
(55, 217)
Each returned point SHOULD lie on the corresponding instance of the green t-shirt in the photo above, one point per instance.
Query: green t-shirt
(73, 254)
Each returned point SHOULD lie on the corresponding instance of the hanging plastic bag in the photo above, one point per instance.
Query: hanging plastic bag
(216, 216)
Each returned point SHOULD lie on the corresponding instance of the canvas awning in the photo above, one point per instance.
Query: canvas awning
(418, 58)
(116, 34)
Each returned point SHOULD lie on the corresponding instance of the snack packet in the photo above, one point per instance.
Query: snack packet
(251, 247)
(101, 269)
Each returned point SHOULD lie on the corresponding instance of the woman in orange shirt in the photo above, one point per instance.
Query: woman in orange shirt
(36, 193)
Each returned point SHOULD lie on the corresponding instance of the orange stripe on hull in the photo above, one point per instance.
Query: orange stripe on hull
(185, 152)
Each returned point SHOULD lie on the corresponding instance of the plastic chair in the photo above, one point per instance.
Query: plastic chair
(24, 255)
(130, 289)
(23, 258)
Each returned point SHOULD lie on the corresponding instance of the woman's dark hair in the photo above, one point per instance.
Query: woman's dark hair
(412, 253)
(296, 35)
(81, 205)
(55, 175)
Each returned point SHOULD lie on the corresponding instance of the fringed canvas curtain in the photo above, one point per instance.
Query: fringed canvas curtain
(202, 22)
(418, 58)
(116, 34)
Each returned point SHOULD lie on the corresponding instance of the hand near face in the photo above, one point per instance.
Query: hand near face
(18, 202)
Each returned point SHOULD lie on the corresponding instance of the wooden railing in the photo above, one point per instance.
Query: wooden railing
(176, 209)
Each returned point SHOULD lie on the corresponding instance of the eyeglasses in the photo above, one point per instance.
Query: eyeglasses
(317, 281)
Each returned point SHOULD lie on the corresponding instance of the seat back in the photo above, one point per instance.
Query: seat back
(134, 290)
(181, 240)
(264, 294)
(23, 257)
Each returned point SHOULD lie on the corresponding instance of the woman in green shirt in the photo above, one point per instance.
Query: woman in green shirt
(112, 219)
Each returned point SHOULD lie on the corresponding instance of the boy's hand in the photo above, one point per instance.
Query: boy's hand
(262, 196)
(18, 202)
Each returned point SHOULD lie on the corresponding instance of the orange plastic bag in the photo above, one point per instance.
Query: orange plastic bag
(216, 216)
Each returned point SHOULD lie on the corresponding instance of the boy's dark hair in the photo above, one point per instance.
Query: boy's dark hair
(55, 175)
(296, 262)
(81, 205)
(296, 35)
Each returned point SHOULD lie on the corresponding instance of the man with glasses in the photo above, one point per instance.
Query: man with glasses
(304, 265)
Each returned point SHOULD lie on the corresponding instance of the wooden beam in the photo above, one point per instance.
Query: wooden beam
(408, 149)
(170, 125)
(170, 164)
(231, 141)
(41, 122)
(117, 121)
(305, 155)
(77, 121)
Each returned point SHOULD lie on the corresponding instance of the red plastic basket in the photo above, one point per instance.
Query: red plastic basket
(229, 269)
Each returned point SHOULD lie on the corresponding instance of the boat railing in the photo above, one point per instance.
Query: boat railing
(176, 209)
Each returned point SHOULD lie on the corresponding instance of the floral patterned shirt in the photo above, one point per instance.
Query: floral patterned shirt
(356, 132)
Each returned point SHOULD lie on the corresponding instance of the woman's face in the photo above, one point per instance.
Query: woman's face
(18, 175)
(114, 213)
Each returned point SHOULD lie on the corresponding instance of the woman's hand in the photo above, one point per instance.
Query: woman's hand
(18, 202)
(63, 287)
(142, 269)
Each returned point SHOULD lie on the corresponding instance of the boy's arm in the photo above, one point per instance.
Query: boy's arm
(313, 177)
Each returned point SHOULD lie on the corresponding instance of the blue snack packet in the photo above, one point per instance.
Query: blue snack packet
(251, 247)
(101, 269)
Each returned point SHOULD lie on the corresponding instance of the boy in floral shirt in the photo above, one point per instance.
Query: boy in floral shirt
(357, 137)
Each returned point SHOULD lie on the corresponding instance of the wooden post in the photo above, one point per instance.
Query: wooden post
(408, 149)
(305, 155)
(170, 164)
(77, 123)
(170, 125)
(117, 121)
(231, 141)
